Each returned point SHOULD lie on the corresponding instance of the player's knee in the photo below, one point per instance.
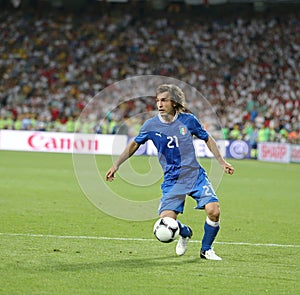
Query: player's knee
(168, 213)
(213, 212)
(214, 216)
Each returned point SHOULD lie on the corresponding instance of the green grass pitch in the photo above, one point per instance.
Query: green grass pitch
(54, 241)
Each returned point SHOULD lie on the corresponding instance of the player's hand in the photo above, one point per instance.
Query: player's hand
(228, 168)
(110, 175)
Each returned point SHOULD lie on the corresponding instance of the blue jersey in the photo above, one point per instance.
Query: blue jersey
(174, 143)
(183, 174)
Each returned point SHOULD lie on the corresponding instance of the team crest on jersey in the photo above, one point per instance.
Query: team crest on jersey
(182, 130)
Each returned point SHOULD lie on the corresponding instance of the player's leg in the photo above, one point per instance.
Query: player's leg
(185, 234)
(185, 231)
(168, 213)
(207, 199)
(211, 229)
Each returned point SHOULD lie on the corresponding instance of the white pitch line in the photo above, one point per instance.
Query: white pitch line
(139, 239)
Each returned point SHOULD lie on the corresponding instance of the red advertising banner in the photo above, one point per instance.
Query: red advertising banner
(274, 152)
(108, 144)
(60, 142)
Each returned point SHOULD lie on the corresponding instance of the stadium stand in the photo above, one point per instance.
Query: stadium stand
(52, 63)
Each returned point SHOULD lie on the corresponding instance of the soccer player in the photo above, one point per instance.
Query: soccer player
(172, 131)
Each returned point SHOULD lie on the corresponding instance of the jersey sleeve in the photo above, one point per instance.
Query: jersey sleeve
(197, 129)
(143, 135)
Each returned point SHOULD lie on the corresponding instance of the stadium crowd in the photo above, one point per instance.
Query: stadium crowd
(247, 68)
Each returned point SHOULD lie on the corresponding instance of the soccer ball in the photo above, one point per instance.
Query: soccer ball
(166, 229)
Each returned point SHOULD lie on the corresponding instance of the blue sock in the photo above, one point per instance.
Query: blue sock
(184, 230)
(210, 233)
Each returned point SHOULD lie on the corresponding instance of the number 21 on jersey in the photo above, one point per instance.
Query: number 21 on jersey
(172, 142)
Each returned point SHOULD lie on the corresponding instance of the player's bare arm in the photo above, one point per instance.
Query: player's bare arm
(212, 145)
(126, 154)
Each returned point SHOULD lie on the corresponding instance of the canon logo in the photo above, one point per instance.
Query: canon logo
(43, 141)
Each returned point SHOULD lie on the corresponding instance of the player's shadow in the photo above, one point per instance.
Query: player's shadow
(119, 264)
(135, 263)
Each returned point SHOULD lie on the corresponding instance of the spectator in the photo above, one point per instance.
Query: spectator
(55, 72)
(235, 133)
(70, 124)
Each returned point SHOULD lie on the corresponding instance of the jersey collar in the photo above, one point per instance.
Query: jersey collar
(167, 122)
